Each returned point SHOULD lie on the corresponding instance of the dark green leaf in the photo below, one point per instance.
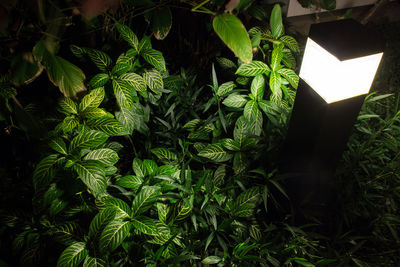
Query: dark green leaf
(104, 155)
(58, 145)
(215, 152)
(128, 35)
(73, 255)
(113, 235)
(93, 176)
(88, 139)
(145, 199)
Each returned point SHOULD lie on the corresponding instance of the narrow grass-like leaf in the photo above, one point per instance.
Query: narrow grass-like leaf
(253, 68)
(215, 152)
(73, 255)
(113, 235)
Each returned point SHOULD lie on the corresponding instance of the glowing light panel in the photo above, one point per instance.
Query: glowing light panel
(336, 80)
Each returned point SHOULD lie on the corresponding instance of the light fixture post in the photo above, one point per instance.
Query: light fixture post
(338, 68)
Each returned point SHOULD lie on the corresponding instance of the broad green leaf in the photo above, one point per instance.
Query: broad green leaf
(276, 22)
(276, 57)
(100, 59)
(92, 100)
(94, 262)
(99, 80)
(290, 76)
(73, 255)
(211, 260)
(225, 88)
(58, 145)
(95, 113)
(128, 35)
(250, 111)
(122, 209)
(162, 210)
(68, 106)
(246, 202)
(144, 44)
(24, 69)
(145, 225)
(104, 155)
(268, 107)
(253, 68)
(138, 168)
(230, 144)
(104, 217)
(130, 181)
(134, 80)
(151, 166)
(183, 209)
(290, 42)
(88, 139)
(215, 152)
(79, 52)
(274, 82)
(235, 101)
(145, 199)
(113, 235)
(69, 124)
(153, 80)
(164, 154)
(162, 22)
(288, 59)
(62, 73)
(123, 93)
(232, 32)
(57, 206)
(120, 68)
(241, 130)
(155, 58)
(107, 125)
(240, 162)
(226, 63)
(258, 87)
(92, 175)
(44, 172)
(191, 125)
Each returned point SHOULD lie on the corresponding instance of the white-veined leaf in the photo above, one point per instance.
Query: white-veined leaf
(276, 22)
(100, 59)
(104, 217)
(93, 99)
(155, 58)
(258, 87)
(92, 175)
(215, 152)
(235, 101)
(94, 113)
(94, 262)
(104, 155)
(145, 225)
(99, 80)
(276, 57)
(88, 139)
(230, 144)
(145, 199)
(290, 76)
(128, 35)
(274, 82)
(164, 154)
(44, 172)
(113, 235)
(68, 106)
(130, 181)
(122, 209)
(153, 80)
(120, 68)
(225, 88)
(107, 125)
(290, 42)
(246, 202)
(134, 80)
(253, 68)
(73, 255)
(69, 124)
(58, 145)
(123, 93)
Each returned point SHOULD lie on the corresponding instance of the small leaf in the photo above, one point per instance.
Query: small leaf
(100, 59)
(113, 235)
(88, 139)
(290, 42)
(58, 145)
(99, 80)
(68, 106)
(252, 69)
(274, 82)
(258, 87)
(276, 22)
(107, 125)
(215, 152)
(134, 80)
(130, 181)
(145, 199)
(145, 225)
(164, 154)
(93, 176)
(232, 32)
(225, 88)
(120, 68)
(155, 58)
(154, 80)
(92, 100)
(290, 76)
(44, 172)
(73, 255)
(123, 93)
(235, 101)
(104, 155)
(128, 35)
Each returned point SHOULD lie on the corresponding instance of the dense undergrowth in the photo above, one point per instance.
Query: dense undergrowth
(161, 148)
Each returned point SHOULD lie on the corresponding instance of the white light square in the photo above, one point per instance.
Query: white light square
(336, 80)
